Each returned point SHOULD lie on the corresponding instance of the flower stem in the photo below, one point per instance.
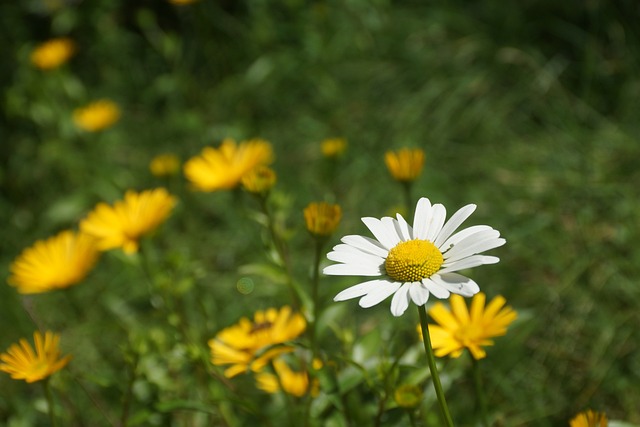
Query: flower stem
(482, 402)
(315, 282)
(432, 366)
(49, 396)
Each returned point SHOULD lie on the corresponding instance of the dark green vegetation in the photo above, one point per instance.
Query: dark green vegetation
(529, 109)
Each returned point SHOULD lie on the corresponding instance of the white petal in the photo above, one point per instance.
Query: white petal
(405, 230)
(437, 290)
(439, 213)
(352, 270)
(400, 300)
(359, 290)
(381, 232)
(366, 244)
(454, 222)
(354, 256)
(463, 250)
(460, 235)
(469, 262)
(421, 219)
(456, 283)
(378, 294)
(419, 294)
(393, 229)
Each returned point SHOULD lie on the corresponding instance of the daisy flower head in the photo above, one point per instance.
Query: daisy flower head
(55, 263)
(472, 329)
(411, 263)
(295, 383)
(24, 362)
(53, 53)
(123, 224)
(251, 344)
(405, 165)
(222, 168)
(589, 418)
(97, 116)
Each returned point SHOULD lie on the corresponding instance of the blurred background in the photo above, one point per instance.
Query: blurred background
(529, 109)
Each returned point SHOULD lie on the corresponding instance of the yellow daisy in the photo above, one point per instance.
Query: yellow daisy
(53, 53)
(97, 116)
(252, 344)
(322, 219)
(295, 383)
(164, 165)
(23, 363)
(333, 147)
(405, 165)
(58, 262)
(589, 418)
(223, 168)
(123, 224)
(460, 328)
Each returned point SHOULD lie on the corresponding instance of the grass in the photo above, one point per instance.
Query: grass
(527, 110)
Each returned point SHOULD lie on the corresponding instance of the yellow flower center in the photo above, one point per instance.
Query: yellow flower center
(413, 260)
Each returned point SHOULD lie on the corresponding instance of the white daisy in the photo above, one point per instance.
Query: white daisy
(413, 262)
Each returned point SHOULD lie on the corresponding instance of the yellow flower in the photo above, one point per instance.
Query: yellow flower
(294, 383)
(589, 418)
(223, 168)
(460, 328)
(164, 165)
(259, 180)
(252, 344)
(53, 53)
(23, 363)
(123, 224)
(322, 218)
(408, 396)
(333, 147)
(96, 116)
(405, 164)
(58, 262)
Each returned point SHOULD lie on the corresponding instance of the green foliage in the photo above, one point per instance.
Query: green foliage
(526, 108)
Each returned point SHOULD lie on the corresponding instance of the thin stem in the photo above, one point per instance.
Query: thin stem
(315, 282)
(49, 396)
(408, 201)
(412, 417)
(481, 402)
(432, 366)
(126, 404)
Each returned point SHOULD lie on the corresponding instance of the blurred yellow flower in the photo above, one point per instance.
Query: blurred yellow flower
(23, 363)
(53, 53)
(58, 262)
(252, 344)
(96, 116)
(164, 165)
(294, 383)
(259, 180)
(460, 328)
(589, 418)
(224, 167)
(408, 396)
(322, 218)
(333, 147)
(123, 224)
(405, 165)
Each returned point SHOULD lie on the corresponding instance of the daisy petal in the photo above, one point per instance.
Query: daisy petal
(456, 284)
(419, 294)
(359, 290)
(475, 243)
(454, 222)
(352, 270)
(437, 220)
(354, 256)
(436, 289)
(460, 235)
(400, 300)
(366, 244)
(405, 231)
(469, 262)
(379, 294)
(421, 219)
(380, 230)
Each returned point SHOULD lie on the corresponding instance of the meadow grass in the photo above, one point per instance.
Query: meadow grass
(527, 110)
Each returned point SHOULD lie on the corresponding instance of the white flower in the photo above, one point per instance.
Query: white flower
(412, 263)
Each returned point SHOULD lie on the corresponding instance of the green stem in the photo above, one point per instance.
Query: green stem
(432, 366)
(126, 404)
(408, 201)
(49, 396)
(412, 417)
(315, 282)
(482, 402)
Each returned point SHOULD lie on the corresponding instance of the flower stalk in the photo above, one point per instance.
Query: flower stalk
(49, 396)
(432, 367)
(481, 398)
